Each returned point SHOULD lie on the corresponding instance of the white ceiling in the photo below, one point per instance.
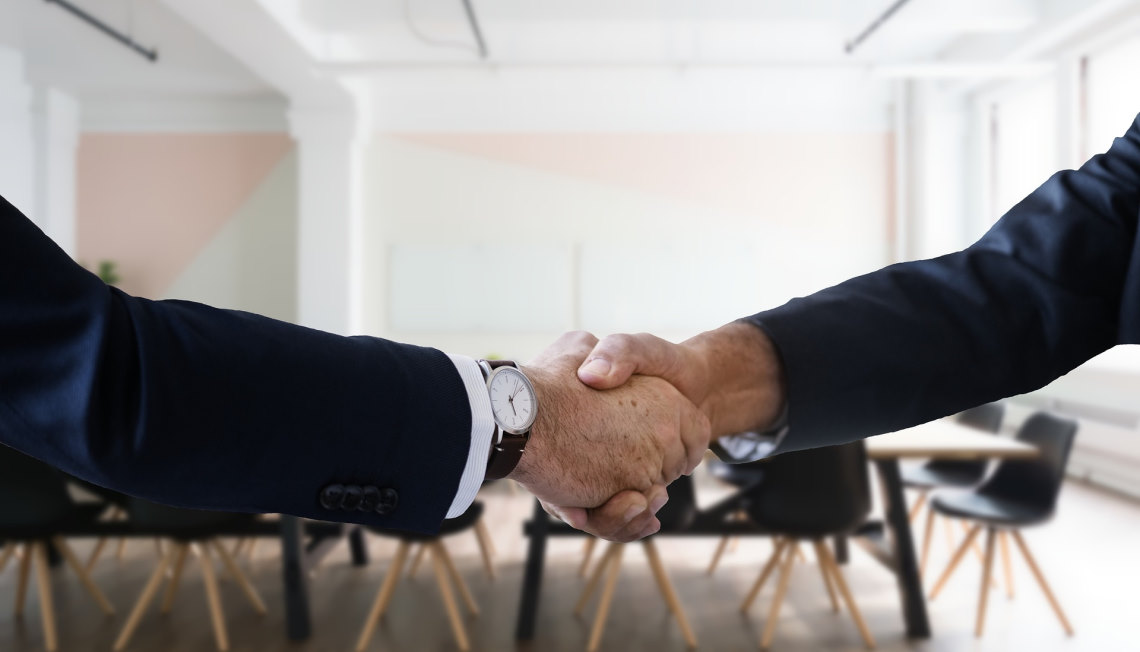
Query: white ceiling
(60, 50)
(646, 31)
(334, 40)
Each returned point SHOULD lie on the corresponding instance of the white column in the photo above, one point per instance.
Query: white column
(57, 143)
(329, 147)
(17, 152)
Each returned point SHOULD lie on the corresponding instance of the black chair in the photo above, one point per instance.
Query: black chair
(190, 531)
(114, 508)
(1020, 493)
(34, 508)
(746, 478)
(954, 473)
(676, 516)
(811, 495)
(444, 569)
(937, 474)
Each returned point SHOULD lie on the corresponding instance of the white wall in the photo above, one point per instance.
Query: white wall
(670, 233)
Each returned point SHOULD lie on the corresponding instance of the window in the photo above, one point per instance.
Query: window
(1113, 97)
(1024, 142)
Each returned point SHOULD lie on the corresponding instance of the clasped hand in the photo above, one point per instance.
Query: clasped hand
(621, 418)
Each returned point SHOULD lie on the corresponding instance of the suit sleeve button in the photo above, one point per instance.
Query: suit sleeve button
(352, 496)
(331, 496)
(389, 499)
(370, 499)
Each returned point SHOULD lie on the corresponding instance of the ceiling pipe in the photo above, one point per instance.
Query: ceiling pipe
(474, 22)
(874, 26)
(149, 54)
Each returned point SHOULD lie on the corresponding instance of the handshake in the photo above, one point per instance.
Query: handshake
(621, 418)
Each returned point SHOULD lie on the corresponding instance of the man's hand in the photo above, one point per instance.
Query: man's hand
(732, 374)
(619, 447)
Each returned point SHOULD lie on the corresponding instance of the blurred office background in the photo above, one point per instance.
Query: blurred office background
(398, 167)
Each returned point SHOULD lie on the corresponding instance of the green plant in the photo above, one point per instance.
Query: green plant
(107, 272)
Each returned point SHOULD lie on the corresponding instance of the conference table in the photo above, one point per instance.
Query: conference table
(892, 542)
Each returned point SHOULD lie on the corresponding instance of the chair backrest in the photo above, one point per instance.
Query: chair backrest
(33, 495)
(815, 492)
(986, 417)
(679, 512)
(1036, 482)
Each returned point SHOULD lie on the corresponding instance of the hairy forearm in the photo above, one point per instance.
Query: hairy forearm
(743, 378)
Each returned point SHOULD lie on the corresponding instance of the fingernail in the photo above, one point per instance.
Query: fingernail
(633, 513)
(598, 366)
(658, 502)
(651, 529)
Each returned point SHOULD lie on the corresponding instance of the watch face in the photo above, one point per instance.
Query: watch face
(512, 400)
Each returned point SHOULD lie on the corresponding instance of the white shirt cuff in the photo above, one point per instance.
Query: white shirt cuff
(482, 429)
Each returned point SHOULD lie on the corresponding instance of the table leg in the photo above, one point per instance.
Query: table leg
(293, 567)
(358, 546)
(532, 575)
(902, 545)
(841, 552)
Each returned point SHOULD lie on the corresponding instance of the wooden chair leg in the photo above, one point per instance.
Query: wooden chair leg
(825, 573)
(587, 554)
(252, 550)
(9, 550)
(778, 599)
(22, 582)
(417, 560)
(84, 577)
(180, 551)
(987, 569)
(961, 552)
(486, 547)
(605, 601)
(383, 595)
(143, 601)
(449, 601)
(917, 506)
(841, 582)
(929, 534)
(733, 544)
(121, 550)
(779, 546)
(47, 606)
(440, 550)
(1041, 581)
(599, 570)
(246, 587)
(1003, 538)
(668, 592)
(717, 555)
(213, 597)
(95, 552)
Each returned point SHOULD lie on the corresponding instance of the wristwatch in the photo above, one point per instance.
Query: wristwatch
(514, 407)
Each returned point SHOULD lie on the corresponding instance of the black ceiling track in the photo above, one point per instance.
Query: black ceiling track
(149, 54)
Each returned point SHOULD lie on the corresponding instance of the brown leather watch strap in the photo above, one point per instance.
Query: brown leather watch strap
(506, 454)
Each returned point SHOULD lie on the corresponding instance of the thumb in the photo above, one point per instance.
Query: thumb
(617, 357)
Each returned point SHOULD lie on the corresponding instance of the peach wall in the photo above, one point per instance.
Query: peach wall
(152, 201)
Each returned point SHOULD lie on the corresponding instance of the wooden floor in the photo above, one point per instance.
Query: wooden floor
(1091, 554)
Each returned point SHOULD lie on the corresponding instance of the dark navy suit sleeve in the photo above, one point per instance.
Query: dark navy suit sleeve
(193, 406)
(1055, 282)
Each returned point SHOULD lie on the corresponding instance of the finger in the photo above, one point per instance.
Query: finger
(617, 357)
(622, 518)
(576, 344)
(696, 431)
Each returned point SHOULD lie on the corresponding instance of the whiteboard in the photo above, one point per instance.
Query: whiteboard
(479, 288)
(667, 287)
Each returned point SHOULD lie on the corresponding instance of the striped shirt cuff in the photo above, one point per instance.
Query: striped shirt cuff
(482, 430)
